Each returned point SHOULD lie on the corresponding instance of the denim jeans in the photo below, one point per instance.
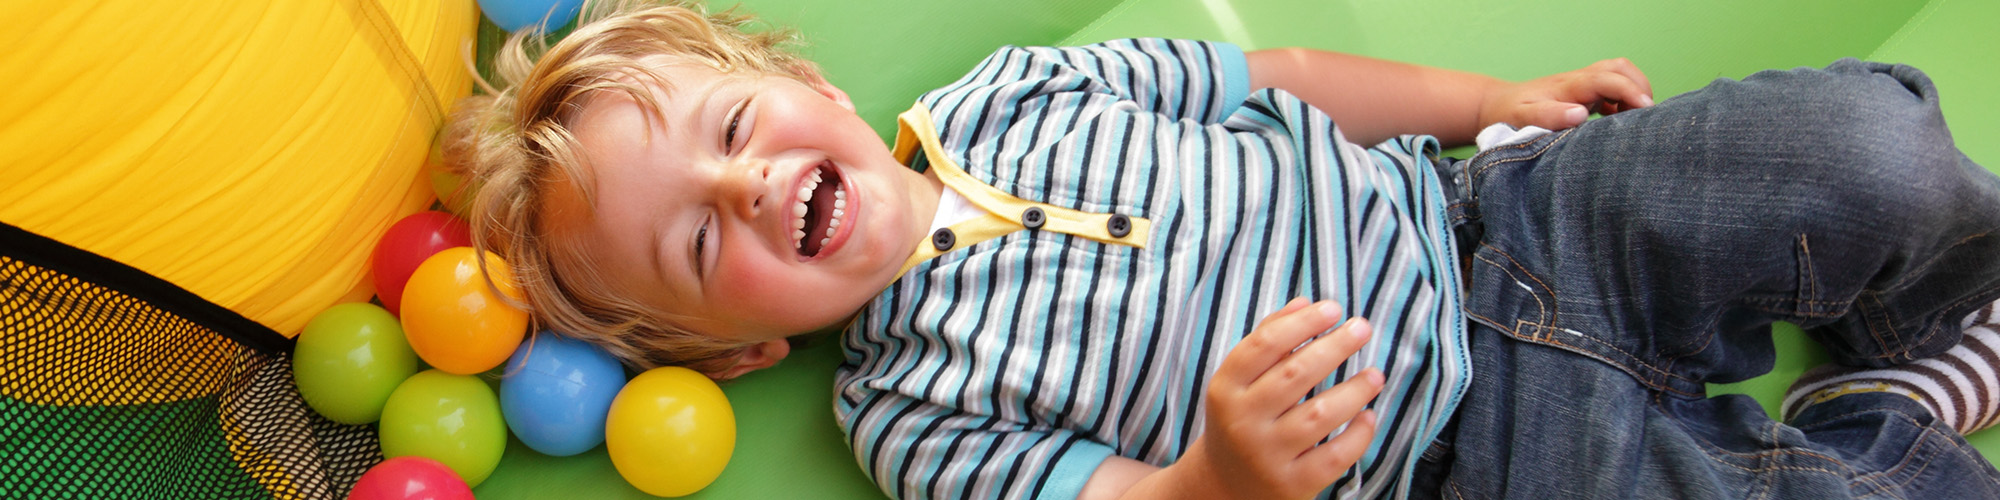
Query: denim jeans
(1617, 267)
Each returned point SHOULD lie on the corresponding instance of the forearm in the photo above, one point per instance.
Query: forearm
(1124, 478)
(1372, 99)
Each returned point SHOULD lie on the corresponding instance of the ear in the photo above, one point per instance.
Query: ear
(756, 357)
(812, 77)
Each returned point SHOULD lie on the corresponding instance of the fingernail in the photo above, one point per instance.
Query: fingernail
(1330, 310)
(1374, 377)
(1367, 416)
(1359, 330)
(1645, 101)
(1575, 115)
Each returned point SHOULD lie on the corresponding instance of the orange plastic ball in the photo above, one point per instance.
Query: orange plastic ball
(454, 320)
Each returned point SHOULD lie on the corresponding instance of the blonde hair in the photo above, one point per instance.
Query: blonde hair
(515, 148)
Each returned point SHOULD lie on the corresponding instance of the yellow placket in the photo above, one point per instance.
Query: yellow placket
(1004, 212)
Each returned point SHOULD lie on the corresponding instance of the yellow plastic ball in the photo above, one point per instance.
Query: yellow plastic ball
(670, 431)
(454, 321)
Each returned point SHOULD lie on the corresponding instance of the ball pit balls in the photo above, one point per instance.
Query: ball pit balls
(451, 189)
(513, 15)
(556, 392)
(349, 359)
(670, 431)
(453, 419)
(407, 243)
(410, 478)
(454, 320)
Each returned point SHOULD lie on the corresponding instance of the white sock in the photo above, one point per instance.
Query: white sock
(1961, 386)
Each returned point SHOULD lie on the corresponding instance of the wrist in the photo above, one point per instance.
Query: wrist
(1492, 97)
(1194, 476)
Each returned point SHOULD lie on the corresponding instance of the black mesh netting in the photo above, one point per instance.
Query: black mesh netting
(116, 384)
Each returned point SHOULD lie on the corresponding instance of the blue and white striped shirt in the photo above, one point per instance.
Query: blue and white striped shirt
(1010, 367)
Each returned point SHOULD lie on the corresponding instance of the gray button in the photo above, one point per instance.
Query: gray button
(1033, 218)
(1119, 225)
(943, 239)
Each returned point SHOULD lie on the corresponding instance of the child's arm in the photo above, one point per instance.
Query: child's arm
(1260, 441)
(1374, 99)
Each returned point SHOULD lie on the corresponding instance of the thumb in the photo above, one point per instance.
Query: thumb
(1553, 115)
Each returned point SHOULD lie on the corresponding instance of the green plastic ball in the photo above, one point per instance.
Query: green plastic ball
(348, 360)
(453, 419)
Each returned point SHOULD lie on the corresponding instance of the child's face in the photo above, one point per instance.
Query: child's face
(702, 216)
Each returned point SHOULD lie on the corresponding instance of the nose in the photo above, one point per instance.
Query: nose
(743, 185)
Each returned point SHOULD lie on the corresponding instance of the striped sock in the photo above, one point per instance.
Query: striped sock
(1961, 386)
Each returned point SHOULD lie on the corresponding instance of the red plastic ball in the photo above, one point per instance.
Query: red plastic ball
(410, 478)
(406, 245)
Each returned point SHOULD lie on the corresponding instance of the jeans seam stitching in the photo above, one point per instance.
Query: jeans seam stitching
(1481, 172)
(1769, 453)
(1770, 480)
(1905, 482)
(1902, 351)
(1778, 305)
(1812, 276)
(1870, 322)
(1552, 315)
(1908, 457)
(1541, 308)
(1926, 265)
(1549, 312)
(1875, 479)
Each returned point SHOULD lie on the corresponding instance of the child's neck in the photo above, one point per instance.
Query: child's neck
(925, 190)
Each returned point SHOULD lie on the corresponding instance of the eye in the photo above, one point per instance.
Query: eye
(700, 245)
(729, 133)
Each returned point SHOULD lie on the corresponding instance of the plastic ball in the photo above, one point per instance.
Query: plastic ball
(670, 431)
(556, 392)
(407, 243)
(410, 478)
(453, 419)
(349, 359)
(513, 15)
(454, 320)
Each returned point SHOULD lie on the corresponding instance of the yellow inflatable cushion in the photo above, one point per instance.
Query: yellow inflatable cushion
(251, 152)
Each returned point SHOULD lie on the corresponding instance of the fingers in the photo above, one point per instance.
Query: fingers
(1609, 86)
(1274, 338)
(1612, 85)
(1553, 115)
(1294, 376)
(1314, 419)
(1344, 450)
(1625, 67)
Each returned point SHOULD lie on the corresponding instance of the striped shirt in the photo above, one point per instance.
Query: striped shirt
(1013, 363)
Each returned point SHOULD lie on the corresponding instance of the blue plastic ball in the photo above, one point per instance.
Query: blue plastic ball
(512, 15)
(556, 391)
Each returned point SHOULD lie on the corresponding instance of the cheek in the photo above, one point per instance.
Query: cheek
(766, 295)
(756, 286)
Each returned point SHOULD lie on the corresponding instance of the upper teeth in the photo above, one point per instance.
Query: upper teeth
(806, 195)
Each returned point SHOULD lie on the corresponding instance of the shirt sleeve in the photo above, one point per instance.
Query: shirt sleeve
(1182, 79)
(915, 449)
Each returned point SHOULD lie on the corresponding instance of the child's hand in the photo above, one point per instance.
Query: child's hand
(1564, 100)
(1261, 441)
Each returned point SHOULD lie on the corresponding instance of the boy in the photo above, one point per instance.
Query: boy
(1108, 241)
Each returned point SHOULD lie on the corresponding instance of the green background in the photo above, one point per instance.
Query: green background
(886, 52)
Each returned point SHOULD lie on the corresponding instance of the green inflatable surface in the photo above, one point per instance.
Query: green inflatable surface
(886, 52)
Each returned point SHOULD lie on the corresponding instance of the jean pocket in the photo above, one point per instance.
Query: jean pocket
(1508, 295)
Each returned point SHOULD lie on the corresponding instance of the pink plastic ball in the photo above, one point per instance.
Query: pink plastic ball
(410, 478)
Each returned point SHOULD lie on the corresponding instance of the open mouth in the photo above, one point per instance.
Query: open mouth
(822, 203)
